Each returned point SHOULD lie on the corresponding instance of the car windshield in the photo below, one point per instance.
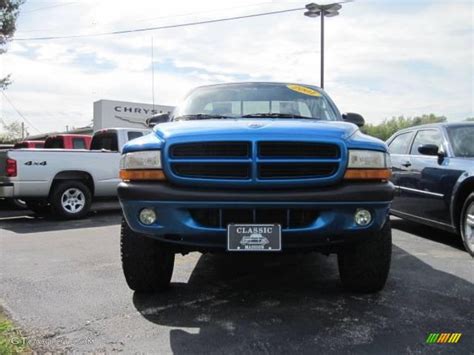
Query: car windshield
(255, 100)
(461, 139)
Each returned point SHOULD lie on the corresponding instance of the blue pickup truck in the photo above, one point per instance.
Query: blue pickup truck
(259, 168)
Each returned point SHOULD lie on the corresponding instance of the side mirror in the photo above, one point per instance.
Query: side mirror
(354, 118)
(160, 118)
(428, 149)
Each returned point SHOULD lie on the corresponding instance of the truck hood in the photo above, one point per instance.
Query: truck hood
(255, 129)
(301, 128)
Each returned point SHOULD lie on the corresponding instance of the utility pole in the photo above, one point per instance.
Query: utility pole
(329, 10)
(152, 73)
(23, 130)
(322, 50)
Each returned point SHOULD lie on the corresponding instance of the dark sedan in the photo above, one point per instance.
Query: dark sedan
(433, 171)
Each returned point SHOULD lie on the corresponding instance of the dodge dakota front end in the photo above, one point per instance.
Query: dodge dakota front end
(256, 167)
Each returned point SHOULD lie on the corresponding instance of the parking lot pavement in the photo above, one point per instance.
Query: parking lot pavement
(62, 283)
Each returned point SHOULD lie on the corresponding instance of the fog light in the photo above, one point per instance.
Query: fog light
(147, 216)
(362, 217)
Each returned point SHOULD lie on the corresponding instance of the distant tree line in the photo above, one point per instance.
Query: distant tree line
(389, 126)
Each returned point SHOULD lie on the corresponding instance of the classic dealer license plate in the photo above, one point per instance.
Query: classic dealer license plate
(254, 237)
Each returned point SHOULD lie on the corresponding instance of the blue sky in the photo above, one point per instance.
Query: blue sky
(383, 58)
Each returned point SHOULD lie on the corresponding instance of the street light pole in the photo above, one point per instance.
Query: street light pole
(322, 49)
(329, 10)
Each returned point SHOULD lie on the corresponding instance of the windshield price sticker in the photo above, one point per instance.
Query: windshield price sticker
(303, 90)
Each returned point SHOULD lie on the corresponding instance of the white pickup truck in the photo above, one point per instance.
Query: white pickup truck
(65, 181)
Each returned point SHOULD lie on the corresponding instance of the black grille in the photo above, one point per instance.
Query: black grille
(211, 149)
(288, 218)
(270, 171)
(297, 150)
(212, 170)
(296, 160)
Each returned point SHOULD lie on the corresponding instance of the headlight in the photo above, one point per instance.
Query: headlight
(145, 165)
(150, 159)
(368, 159)
(368, 165)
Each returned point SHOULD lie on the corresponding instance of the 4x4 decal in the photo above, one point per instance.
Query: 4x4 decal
(38, 163)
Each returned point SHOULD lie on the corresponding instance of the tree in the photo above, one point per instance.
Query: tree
(11, 132)
(9, 10)
(389, 126)
(470, 119)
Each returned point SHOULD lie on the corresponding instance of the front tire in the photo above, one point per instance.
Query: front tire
(467, 224)
(364, 267)
(70, 200)
(147, 264)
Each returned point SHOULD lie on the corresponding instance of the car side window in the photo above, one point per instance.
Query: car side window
(54, 143)
(133, 135)
(107, 141)
(401, 143)
(426, 136)
(78, 143)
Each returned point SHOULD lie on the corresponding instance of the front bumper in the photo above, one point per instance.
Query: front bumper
(333, 225)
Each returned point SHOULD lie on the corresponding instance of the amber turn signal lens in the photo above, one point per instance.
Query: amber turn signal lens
(130, 175)
(368, 174)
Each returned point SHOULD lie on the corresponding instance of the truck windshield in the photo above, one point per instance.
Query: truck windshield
(255, 100)
(461, 140)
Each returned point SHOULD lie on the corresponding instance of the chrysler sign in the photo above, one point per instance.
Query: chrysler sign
(109, 113)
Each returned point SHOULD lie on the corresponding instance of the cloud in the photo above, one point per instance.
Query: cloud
(382, 59)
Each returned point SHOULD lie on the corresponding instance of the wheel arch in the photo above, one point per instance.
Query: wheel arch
(75, 175)
(461, 191)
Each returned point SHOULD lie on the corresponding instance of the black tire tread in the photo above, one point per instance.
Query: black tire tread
(364, 267)
(147, 264)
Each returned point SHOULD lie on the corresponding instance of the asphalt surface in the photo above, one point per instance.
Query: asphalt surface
(63, 285)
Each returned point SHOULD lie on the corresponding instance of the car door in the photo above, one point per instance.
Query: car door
(422, 186)
(399, 147)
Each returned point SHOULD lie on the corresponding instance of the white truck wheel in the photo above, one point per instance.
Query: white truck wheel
(70, 199)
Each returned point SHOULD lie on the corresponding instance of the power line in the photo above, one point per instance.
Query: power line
(148, 19)
(159, 27)
(19, 113)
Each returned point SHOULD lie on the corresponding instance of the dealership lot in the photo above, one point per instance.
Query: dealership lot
(62, 283)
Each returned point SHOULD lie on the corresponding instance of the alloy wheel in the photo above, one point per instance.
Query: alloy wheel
(73, 200)
(469, 227)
